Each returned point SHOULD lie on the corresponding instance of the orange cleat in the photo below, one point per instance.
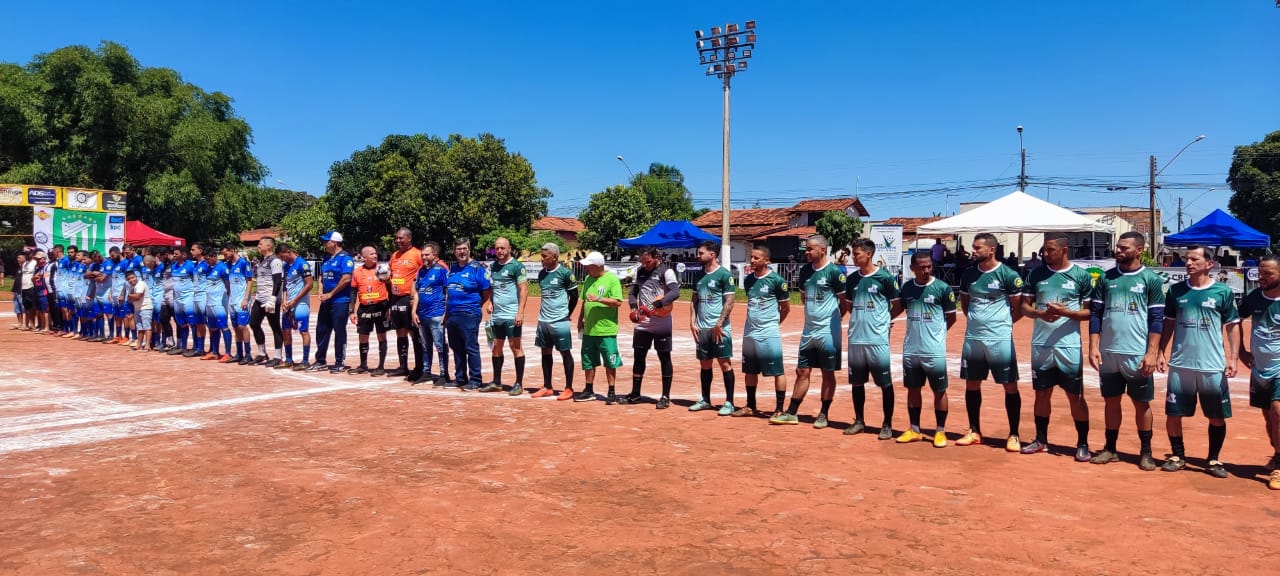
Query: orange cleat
(566, 394)
(209, 356)
(226, 359)
(543, 393)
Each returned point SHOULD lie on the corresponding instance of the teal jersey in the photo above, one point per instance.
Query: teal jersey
(990, 316)
(1200, 315)
(556, 285)
(1127, 300)
(927, 308)
(1072, 287)
(869, 298)
(295, 277)
(709, 297)
(763, 297)
(822, 288)
(1264, 333)
(506, 280)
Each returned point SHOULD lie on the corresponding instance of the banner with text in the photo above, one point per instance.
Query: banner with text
(86, 230)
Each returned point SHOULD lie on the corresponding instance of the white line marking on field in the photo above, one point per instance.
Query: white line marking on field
(93, 434)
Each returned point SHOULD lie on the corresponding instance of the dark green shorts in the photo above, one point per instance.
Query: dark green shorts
(709, 349)
(504, 329)
(554, 335)
(869, 362)
(1054, 366)
(980, 358)
(1187, 387)
(600, 351)
(1119, 373)
(819, 351)
(917, 369)
(762, 356)
(1263, 391)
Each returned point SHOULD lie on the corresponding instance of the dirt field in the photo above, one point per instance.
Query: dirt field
(117, 462)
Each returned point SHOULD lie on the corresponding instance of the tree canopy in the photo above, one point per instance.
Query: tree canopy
(1255, 181)
(522, 241)
(664, 190)
(612, 214)
(840, 229)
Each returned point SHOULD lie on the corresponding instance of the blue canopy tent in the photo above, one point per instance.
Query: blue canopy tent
(669, 234)
(1219, 229)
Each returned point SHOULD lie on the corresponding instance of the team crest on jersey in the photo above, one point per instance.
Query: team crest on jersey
(1137, 288)
(1069, 285)
(929, 299)
(784, 286)
(711, 284)
(842, 278)
(1017, 282)
(994, 285)
(873, 289)
(1209, 303)
(1133, 306)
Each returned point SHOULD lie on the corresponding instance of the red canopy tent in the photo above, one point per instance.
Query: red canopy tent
(138, 234)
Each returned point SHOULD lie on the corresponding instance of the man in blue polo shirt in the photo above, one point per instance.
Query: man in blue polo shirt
(428, 313)
(335, 304)
(467, 290)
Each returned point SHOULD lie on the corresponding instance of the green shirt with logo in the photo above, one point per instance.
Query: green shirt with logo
(1200, 315)
(1264, 332)
(506, 280)
(599, 319)
(869, 298)
(1072, 287)
(990, 317)
(1127, 299)
(822, 288)
(763, 296)
(927, 308)
(709, 297)
(555, 285)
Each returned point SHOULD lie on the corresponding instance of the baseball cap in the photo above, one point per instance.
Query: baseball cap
(593, 259)
(331, 235)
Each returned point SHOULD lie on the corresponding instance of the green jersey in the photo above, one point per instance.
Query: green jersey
(708, 297)
(1264, 334)
(1127, 300)
(870, 297)
(927, 308)
(599, 319)
(555, 285)
(990, 317)
(763, 297)
(1072, 287)
(821, 297)
(1200, 315)
(506, 279)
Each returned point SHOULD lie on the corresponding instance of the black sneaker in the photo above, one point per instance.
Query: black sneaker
(470, 387)
(283, 366)
(611, 399)
(630, 399)
(491, 387)
(397, 373)
(377, 372)
(359, 370)
(245, 361)
(451, 384)
(413, 376)
(886, 433)
(421, 379)
(1173, 464)
(191, 353)
(271, 363)
(172, 351)
(338, 369)
(261, 361)
(584, 396)
(317, 367)
(516, 390)
(438, 381)
(1146, 462)
(1216, 469)
(663, 403)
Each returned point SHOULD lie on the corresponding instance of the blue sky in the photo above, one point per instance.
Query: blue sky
(905, 96)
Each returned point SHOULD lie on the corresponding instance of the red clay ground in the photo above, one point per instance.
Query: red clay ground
(125, 463)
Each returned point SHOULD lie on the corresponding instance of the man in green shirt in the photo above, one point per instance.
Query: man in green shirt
(931, 311)
(990, 293)
(1055, 295)
(871, 294)
(506, 312)
(710, 326)
(1262, 308)
(598, 325)
(559, 298)
(768, 303)
(1124, 340)
(1197, 312)
(822, 281)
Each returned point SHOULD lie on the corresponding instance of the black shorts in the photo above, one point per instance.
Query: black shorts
(641, 340)
(400, 309)
(372, 316)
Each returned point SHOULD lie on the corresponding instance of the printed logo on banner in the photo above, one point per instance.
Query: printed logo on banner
(10, 195)
(42, 196)
(113, 201)
(82, 199)
(115, 228)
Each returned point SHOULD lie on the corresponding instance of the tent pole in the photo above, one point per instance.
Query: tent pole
(1021, 248)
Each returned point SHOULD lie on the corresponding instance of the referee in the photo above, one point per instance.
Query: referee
(269, 286)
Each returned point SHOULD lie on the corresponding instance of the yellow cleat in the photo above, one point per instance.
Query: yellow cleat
(969, 438)
(1274, 482)
(910, 436)
(1013, 444)
(939, 439)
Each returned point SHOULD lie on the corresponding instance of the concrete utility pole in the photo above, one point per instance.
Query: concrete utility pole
(725, 53)
(1179, 213)
(1022, 177)
(1156, 229)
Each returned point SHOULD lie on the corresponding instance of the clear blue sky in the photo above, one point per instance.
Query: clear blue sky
(907, 96)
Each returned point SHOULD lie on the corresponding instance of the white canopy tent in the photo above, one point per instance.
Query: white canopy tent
(1017, 213)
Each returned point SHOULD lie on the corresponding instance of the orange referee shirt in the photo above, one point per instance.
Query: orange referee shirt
(404, 271)
(369, 290)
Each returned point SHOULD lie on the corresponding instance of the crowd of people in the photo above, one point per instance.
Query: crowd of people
(198, 302)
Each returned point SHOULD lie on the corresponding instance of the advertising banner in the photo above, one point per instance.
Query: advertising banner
(86, 230)
(22, 195)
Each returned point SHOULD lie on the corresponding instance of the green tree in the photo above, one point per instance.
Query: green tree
(98, 118)
(524, 242)
(612, 214)
(304, 227)
(1255, 182)
(839, 228)
(664, 189)
(441, 188)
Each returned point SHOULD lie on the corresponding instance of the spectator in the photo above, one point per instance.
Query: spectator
(18, 312)
(938, 252)
(1034, 262)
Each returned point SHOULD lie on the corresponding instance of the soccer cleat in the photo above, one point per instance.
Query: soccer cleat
(910, 436)
(272, 363)
(317, 367)
(359, 370)
(784, 418)
(300, 367)
(939, 439)
(226, 359)
(451, 384)
(246, 361)
(413, 376)
(283, 366)
(857, 427)
(886, 433)
(491, 387)
(726, 409)
(1173, 464)
(1104, 457)
(516, 390)
(1082, 453)
(1273, 463)
(611, 399)
(1035, 447)
(543, 393)
(663, 403)
(470, 387)
(821, 421)
(631, 399)
(1274, 481)
(566, 394)
(1216, 469)
(584, 396)
(377, 372)
(397, 373)
(209, 356)
(743, 412)
(700, 405)
(970, 438)
(1146, 462)
(1013, 444)
(261, 361)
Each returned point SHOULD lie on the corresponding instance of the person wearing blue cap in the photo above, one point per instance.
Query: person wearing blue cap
(335, 304)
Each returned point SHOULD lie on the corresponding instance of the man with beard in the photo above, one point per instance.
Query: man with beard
(650, 298)
(871, 295)
(1262, 307)
(428, 313)
(468, 289)
(768, 303)
(405, 263)
(822, 281)
(713, 298)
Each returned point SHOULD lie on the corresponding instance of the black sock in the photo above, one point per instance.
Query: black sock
(826, 406)
(1112, 436)
(728, 385)
(382, 354)
(664, 359)
(402, 351)
(779, 397)
(547, 359)
(1082, 432)
(1042, 428)
(566, 358)
(859, 401)
(1144, 436)
(973, 405)
(705, 374)
(913, 416)
(1013, 407)
(751, 397)
(364, 354)
(497, 369)
(886, 401)
(636, 381)
(612, 391)
(795, 407)
(1217, 436)
(941, 416)
(1175, 446)
(520, 370)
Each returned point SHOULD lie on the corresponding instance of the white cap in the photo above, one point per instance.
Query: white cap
(334, 236)
(593, 259)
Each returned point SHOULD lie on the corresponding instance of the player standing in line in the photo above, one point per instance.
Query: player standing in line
(990, 294)
(428, 314)
(654, 291)
(1124, 340)
(822, 281)
(126, 311)
(370, 313)
(199, 279)
(115, 296)
(1262, 308)
(1197, 312)
(296, 312)
(598, 326)
(468, 289)
(268, 280)
(709, 324)
(768, 304)
(405, 263)
(335, 304)
(506, 314)
(167, 329)
(216, 286)
(871, 294)
(73, 294)
(104, 310)
(559, 298)
(152, 274)
(184, 305)
(1055, 296)
(931, 311)
(239, 276)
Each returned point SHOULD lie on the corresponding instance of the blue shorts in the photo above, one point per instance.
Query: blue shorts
(123, 309)
(184, 312)
(216, 317)
(144, 321)
(299, 319)
(103, 307)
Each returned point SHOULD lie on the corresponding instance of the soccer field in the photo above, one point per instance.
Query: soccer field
(120, 462)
